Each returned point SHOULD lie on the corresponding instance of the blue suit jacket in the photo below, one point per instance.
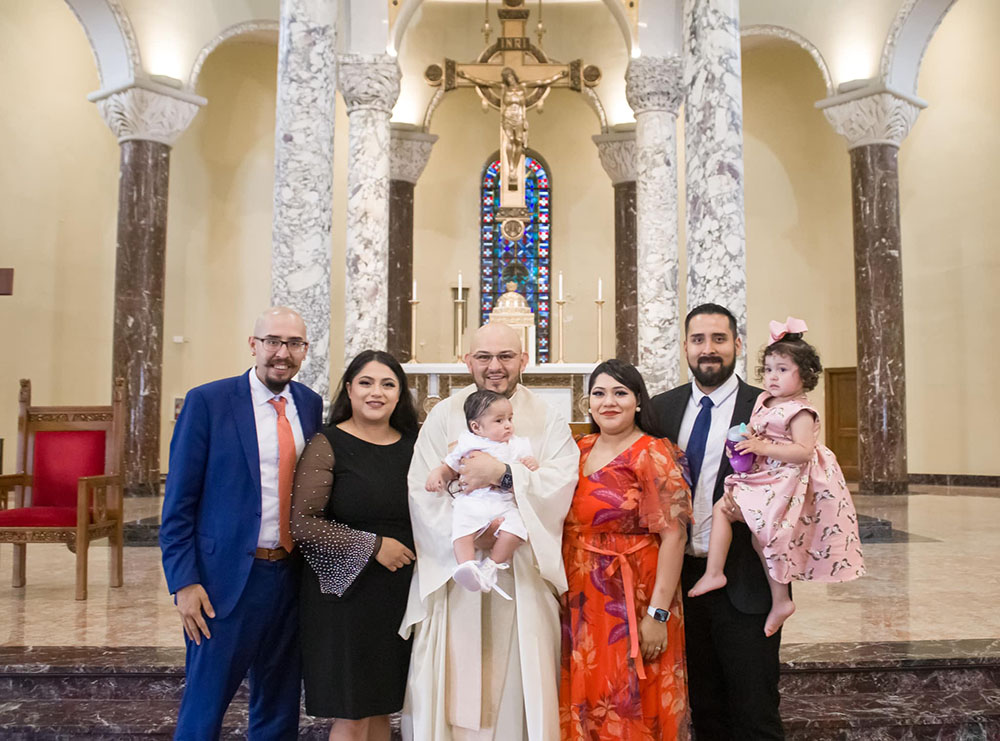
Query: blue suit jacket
(211, 512)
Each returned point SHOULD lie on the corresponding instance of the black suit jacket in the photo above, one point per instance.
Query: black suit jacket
(747, 583)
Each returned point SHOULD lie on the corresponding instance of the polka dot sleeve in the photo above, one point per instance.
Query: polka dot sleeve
(336, 552)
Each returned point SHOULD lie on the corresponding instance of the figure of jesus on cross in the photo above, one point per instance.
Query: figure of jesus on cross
(512, 75)
(513, 118)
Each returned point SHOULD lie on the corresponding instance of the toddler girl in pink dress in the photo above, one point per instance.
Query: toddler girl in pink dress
(794, 499)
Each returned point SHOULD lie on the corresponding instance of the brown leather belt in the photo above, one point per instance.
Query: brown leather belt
(271, 554)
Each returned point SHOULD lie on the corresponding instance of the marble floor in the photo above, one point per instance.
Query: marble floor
(935, 580)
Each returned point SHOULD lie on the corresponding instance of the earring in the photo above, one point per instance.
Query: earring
(638, 408)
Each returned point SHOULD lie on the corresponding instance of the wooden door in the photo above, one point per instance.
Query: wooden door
(841, 387)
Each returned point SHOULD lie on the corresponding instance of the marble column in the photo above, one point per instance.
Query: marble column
(713, 151)
(409, 151)
(617, 153)
(370, 85)
(303, 176)
(146, 118)
(874, 124)
(654, 90)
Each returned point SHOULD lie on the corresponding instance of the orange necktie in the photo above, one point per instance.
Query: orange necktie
(286, 470)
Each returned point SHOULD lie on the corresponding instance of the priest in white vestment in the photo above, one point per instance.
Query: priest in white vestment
(483, 667)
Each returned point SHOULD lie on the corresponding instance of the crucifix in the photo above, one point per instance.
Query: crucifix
(512, 75)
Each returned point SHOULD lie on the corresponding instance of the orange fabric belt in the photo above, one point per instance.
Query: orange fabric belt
(622, 563)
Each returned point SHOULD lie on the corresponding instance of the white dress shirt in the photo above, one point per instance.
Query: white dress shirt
(723, 403)
(266, 417)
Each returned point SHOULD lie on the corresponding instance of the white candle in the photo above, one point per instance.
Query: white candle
(459, 284)
(600, 285)
(414, 290)
(560, 286)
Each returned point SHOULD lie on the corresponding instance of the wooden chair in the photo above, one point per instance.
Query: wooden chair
(68, 485)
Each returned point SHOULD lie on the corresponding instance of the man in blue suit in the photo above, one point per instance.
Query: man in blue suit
(225, 538)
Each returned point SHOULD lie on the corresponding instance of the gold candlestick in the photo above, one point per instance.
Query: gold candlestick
(413, 330)
(600, 323)
(459, 327)
(559, 304)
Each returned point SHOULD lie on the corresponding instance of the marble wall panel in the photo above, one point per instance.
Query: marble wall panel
(140, 272)
(878, 295)
(370, 85)
(626, 306)
(713, 149)
(654, 91)
(303, 176)
(400, 275)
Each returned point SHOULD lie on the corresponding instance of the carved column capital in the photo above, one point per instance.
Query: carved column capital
(147, 111)
(409, 153)
(617, 152)
(368, 81)
(872, 116)
(655, 84)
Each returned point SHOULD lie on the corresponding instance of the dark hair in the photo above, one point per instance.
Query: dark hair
(627, 375)
(404, 416)
(478, 402)
(711, 309)
(801, 353)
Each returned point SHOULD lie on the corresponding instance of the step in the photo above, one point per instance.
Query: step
(962, 715)
(119, 719)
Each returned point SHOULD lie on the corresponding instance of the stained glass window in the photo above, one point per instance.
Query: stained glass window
(525, 261)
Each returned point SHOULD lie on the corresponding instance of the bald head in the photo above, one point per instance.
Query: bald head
(496, 358)
(495, 334)
(276, 367)
(280, 314)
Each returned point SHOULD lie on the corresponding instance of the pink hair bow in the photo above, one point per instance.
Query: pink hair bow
(791, 326)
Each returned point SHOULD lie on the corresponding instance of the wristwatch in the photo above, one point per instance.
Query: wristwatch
(660, 616)
(507, 480)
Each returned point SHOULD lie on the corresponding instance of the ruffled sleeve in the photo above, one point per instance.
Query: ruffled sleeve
(664, 495)
(337, 553)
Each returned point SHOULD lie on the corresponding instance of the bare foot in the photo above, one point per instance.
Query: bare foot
(708, 583)
(779, 613)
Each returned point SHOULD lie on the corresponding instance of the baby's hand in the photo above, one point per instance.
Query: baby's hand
(753, 444)
(530, 462)
(436, 481)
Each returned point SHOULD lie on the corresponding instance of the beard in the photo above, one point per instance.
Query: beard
(712, 375)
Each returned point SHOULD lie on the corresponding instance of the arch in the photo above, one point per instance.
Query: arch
(907, 40)
(256, 28)
(527, 260)
(409, 8)
(112, 40)
(798, 39)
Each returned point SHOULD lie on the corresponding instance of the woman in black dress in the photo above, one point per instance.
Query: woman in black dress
(351, 521)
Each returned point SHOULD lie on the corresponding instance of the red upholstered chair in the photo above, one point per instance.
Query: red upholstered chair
(68, 486)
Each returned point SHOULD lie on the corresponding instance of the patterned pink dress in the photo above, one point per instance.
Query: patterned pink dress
(801, 514)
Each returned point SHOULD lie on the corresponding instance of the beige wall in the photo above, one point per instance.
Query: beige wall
(58, 204)
(951, 249)
(800, 258)
(219, 224)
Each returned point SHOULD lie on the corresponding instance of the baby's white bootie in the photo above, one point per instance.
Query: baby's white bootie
(467, 575)
(488, 576)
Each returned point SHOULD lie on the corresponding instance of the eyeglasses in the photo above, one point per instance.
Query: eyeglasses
(484, 358)
(273, 344)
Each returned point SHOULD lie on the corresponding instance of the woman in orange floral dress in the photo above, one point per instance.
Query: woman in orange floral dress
(623, 671)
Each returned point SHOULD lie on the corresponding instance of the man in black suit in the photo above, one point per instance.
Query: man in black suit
(732, 665)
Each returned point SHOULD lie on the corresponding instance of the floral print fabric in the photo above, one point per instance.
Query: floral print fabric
(618, 510)
(801, 514)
